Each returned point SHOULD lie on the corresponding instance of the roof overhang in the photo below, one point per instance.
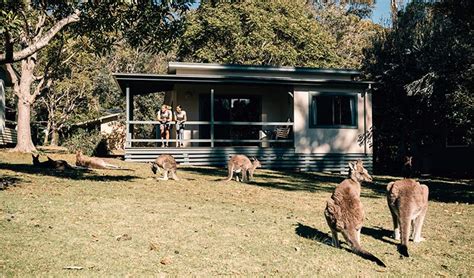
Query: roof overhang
(174, 66)
(149, 83)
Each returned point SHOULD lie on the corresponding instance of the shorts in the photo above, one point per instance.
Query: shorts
(166, 126)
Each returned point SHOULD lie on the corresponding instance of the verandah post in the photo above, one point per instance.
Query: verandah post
(212, 118)
(128, 136)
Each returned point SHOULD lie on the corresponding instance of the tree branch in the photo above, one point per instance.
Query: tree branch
(14, 78)
(41, 41)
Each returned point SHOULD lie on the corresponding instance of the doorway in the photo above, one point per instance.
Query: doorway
(231, 108)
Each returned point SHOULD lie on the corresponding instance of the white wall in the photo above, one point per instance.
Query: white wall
(329, 140)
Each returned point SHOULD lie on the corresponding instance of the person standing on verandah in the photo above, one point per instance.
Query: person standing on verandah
(164, 117)
(180, 118)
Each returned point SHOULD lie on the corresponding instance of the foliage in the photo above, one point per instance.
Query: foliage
(258, 33)
(84, 140)
(30, 26)
(351, 32)
(424, 70)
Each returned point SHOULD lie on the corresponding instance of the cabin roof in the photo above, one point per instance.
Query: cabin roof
(249, 69)
(140, 83)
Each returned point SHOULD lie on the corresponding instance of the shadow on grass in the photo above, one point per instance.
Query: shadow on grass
(8, 181)
(313, 234)
(290, 181)
(74, 174)
(378, 233)
(441, 189)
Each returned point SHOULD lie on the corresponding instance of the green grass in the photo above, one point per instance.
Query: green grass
(274, 226)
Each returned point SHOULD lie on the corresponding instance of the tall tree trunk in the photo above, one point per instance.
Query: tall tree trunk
(24, 142)
(46, 134)
(25, 100)
(54, 136)
(394, 6)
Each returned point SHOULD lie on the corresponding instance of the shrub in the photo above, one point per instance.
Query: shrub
(84, 140)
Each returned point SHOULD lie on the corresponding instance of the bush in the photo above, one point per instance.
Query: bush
(85, 140)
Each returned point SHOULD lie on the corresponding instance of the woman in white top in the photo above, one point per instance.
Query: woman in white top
(164, 117)
(180, 118)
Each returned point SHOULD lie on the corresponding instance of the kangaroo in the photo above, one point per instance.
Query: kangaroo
(93, 162)
(408, 203)
(344, 211)
(51, 163)
(407, 169)
(241, 163)
(169, 165)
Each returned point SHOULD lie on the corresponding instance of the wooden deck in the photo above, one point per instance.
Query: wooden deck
(271, 158)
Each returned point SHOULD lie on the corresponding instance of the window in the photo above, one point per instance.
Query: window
(333, 111)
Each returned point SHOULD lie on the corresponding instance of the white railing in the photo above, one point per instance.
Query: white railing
(213, 140)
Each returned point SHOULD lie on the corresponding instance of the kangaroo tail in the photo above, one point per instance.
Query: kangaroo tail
(357, 249)
(404, 234)
(368, 256)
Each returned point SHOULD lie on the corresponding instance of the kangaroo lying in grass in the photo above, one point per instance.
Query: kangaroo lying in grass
(93, 162)
(408, 203)
(344, 211)
(241, 163)
(51, 163)
(168, 164)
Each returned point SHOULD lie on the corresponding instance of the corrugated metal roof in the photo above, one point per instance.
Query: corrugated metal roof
(173, 66)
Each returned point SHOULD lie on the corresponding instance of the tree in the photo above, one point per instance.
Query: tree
(29, 26)
(71, 72)
(259, 33)
(425, 80)
(351, 32)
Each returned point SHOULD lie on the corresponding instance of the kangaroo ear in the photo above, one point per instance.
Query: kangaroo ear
(351, 166)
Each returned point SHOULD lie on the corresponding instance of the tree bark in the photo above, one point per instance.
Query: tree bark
(25, 99)
(54, 136)
(24, 142)
(46, 134)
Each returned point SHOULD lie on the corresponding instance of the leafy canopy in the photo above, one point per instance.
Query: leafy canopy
(258, 33)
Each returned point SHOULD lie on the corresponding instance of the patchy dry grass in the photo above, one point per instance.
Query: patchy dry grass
(201, 226)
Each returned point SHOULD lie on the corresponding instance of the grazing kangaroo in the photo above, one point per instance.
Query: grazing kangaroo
(344, 211)
(408, 203)
(168, 164)
(93, 162)
(407, 169)
(241, 163)
(51, 163)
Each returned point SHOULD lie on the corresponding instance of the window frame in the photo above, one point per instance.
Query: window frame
(313, 109)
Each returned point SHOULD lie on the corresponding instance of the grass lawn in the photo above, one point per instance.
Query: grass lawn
(120, 222)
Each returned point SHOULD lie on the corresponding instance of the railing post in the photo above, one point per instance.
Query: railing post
(128, 136)
(212, 118)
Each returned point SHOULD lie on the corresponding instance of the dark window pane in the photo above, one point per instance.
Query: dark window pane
(324, 110)
(333, 110)
(345, 110)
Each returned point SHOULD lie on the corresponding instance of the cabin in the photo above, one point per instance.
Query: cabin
(287, 117)
(8, 134)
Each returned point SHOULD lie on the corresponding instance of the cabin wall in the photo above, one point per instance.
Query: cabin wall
(276, 105)
(329, 140)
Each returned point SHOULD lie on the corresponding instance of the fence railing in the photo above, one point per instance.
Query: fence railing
(266, 128)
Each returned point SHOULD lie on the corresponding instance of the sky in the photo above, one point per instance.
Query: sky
(381, 12)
